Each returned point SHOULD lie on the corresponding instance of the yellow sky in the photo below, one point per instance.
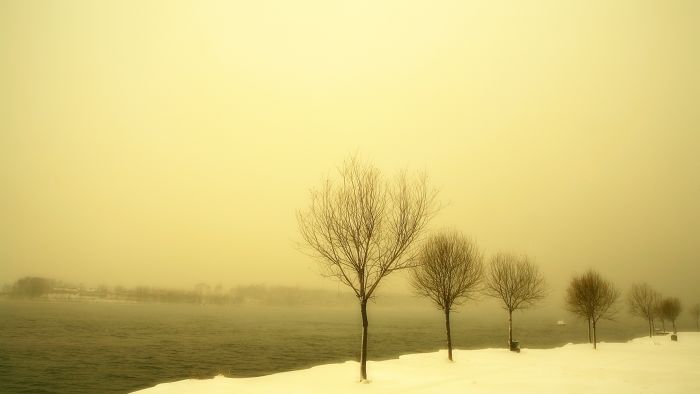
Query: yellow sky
(171, 142)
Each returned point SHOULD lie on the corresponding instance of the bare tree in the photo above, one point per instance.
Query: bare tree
(659, 313)
(449, 272)
(695, 313)
(593, 298)
(362, 228)
(516, 282)
(642, 300)
(670, 310)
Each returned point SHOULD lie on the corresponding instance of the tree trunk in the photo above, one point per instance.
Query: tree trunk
(589, 330)
(510, 329)
(674, 327)
(449, 335)
(595, 339)
(363, 350)
(663, 325)
(651, 325)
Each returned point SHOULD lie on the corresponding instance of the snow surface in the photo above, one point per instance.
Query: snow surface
(643, 365)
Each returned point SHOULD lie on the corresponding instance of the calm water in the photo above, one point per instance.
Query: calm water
(65, 347)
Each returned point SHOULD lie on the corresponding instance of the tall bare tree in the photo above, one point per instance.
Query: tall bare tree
(642, 301)
(695, 313)
(593, 298)
(670, 310)
(449, 271)
(363, 227)
(516, 282)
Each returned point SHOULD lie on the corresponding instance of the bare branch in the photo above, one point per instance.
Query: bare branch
(643, 301)
(361, 228)
(592, 297)
(450, 270)
(670, 309)
(515, 281)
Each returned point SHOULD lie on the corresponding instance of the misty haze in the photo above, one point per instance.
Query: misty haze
(349, 197)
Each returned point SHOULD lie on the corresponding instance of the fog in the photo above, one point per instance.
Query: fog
(170, 143)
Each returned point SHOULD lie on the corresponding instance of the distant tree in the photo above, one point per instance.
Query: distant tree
(516, 283)
(31, 287)
(362, 228)
(695, 313)
(670, 310)
(592, 297)
(449, 271)
(643, 301)
(659, 313)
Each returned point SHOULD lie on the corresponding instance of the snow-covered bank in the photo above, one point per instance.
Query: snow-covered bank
(642, 365)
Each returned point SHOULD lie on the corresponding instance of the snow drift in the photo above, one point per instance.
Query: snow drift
(643, 365)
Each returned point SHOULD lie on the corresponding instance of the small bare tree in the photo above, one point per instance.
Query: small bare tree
(670, 310)
(642, 301)
(695, 313)
(516, 283)
(362, 228)
(593, 298)
(449, 272)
